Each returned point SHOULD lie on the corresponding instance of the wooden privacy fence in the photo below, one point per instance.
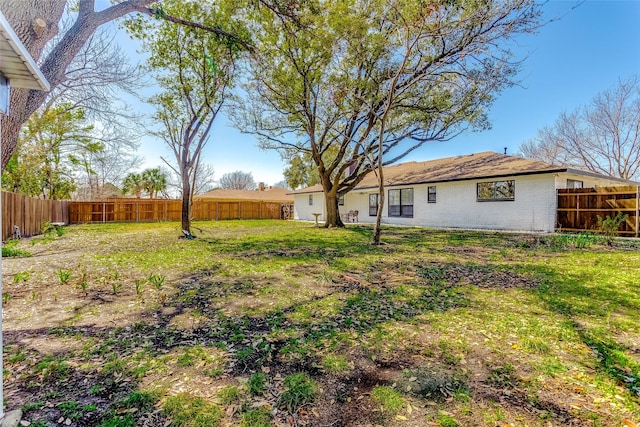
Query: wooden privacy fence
(149, 210)
(578, 208)
(28, 213)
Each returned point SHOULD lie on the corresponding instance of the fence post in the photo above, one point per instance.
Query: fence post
(137, 212)
(216, 211)
(578, 222)
(104, 212)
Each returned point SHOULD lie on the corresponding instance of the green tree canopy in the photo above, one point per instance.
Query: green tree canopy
(321, 84)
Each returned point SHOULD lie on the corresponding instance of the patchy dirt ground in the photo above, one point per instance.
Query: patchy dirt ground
(431, 329)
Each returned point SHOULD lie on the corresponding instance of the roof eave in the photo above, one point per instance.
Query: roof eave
(23, 60)
(597, 175)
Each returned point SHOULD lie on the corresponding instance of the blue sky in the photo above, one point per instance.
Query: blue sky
(568, 62)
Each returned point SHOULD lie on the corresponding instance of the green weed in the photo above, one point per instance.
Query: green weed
(447, 421)
(116, 287)
(189, 411)
(389, 399)
(257, 383)
(156, 280)
(33, 406)
(256, 418)
(84, 282)
(10, 249)
(142, 400)
(119, 421)
(299, 389)
(6, 297)
(336, 364)
(71, 409)
(139, 286)
(52, 368)
(503, 376)
(21, 277)
(229, 394)
(64, 275)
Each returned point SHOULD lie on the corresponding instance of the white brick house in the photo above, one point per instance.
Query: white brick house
(477, 191)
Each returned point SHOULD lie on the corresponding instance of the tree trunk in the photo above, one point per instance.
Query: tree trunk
(332, 212)
(376, 228)
(186, 202)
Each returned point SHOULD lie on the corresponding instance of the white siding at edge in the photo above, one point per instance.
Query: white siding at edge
(587, 181)
(303, 211)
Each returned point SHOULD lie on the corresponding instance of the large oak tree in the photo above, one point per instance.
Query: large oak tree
(321, 85)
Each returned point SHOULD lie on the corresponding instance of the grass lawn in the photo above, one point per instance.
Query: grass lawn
(259, 323)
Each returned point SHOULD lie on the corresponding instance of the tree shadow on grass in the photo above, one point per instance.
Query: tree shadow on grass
(108, 364)
(570, 296)
(98, 362)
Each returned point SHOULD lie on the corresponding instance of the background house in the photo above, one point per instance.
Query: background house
(484, 190)
(262, 194)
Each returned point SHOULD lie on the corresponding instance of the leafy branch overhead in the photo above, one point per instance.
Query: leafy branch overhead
(55, 54)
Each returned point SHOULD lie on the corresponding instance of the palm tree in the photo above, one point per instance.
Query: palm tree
(154, 181)
(133, 184)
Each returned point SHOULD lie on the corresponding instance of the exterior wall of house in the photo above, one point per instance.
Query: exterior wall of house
(302, 210)
(457, 206)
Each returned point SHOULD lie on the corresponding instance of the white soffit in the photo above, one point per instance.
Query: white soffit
(16, 63)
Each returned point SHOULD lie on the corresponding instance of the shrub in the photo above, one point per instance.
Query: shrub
(609, 226)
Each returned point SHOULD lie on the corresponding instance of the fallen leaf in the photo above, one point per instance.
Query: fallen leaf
(629, 423)
(401, 418)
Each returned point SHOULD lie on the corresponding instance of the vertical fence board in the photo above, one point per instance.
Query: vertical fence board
(28, 214)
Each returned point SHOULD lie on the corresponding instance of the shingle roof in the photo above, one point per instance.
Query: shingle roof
(483, 165)
(273, 194)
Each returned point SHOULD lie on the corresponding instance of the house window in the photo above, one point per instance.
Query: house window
(431, 194)
(572, 183)
(310, 199)
(373, 204)
(496, 191)
(401, 202)
(341, 200)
